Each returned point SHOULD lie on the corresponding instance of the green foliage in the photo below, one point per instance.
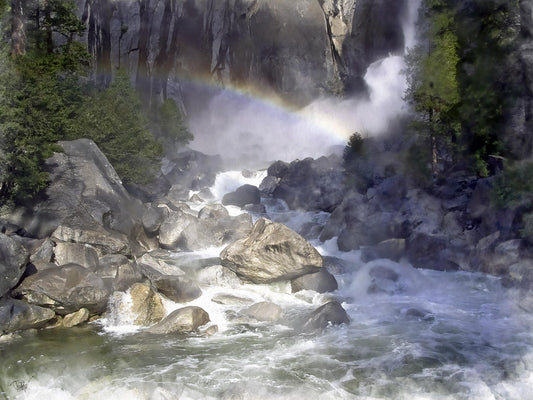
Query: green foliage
(169, 127)
(115, 120)
(514, 186)
(357, 168)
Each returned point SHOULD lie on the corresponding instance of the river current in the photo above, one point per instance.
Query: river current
(427, 335)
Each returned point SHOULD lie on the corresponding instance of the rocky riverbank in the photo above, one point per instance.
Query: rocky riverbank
(89, 237)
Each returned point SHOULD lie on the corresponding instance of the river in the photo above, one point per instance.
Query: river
(426, 335)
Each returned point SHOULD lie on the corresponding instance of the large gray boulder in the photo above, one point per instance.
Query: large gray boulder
(264, 311)
(65, 290)
(13, 260)
(271, 252)
(172, 227)
(82, 181)
(183, 320)
(18, 315)
(77, 253)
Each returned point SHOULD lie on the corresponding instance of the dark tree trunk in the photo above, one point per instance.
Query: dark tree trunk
(18, 34)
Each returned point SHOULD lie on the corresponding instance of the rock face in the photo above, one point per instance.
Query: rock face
(146, 305)
(13, 260)
(270, 37)
(65, 290)
(18, 315)
(183, 320)
(272, 252)
(84, 255)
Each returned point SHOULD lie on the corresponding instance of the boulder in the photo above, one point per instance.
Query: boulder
(217, 275)
(214, 232)
(44, 253)
(171, 229)
(18, 315)
(183, 320)
(127, 275)
(153, 217)
(82, 254)
(146, 305)
(157, 265)
(321, 282)
(264, 311)
(312, 184)
(87, 232)
(176, 288)
(108, 265)
(76, 318)
(13, 260)
(82, 181)
(245, 194)
(393, 249)
(65, 289)
(271, 252)
(329, 314)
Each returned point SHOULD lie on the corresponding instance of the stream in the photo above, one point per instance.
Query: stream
(426, 335)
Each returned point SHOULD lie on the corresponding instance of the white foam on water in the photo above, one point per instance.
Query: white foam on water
(229, 181)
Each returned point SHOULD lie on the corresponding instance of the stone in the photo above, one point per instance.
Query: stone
(153, 217)
(127, 275)
(18, 315)
(321, 282)
(245, 194)
(146, 305)
(393, 249)
(171, 229)
(44, 253)
(272, 252)
(217, 275)
(158, 265)
(183, 320)
(82, 254)
(65, 289)
(264, 311)
(176, 288)
(76, 318)
(108, 265)
(329, 314)
(86, 232)
(13, 260)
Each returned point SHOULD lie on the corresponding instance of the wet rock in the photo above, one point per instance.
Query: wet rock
(272, 252)
(127, 275)
(108, 264)
(392, 249)
(146, 305)
(246, 194)
(157, 264)
(65, 289)
(217, 275)
(426, 250)
(183, 320)
(321, 282)
(231, 300)
(329, 314)
(18, 315)
(268, 185)
(383, 272)
(176, 288)
(77, 318)
(82, 254)
(264, 311)
(13, 260)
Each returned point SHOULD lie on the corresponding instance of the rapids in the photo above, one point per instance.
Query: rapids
(426, 335)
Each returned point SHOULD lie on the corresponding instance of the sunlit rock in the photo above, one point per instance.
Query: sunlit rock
(18, 315)
(13, 260)
(65, 289)
(146, 305)
(172, 227)
(271, 252)
(84, 255)
(183, 320)
(76, 318)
